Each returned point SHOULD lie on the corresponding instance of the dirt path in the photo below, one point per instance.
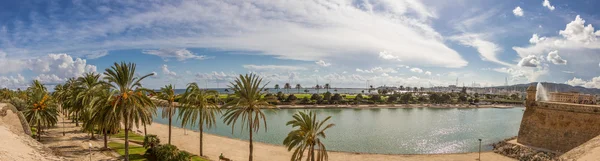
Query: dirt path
(75, 144)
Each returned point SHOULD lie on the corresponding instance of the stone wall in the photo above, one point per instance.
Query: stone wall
(557, 126)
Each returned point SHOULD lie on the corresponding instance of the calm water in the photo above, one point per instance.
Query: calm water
(393, 131)
(293, 90)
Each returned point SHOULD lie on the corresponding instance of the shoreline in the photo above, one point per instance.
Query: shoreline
(237, 149)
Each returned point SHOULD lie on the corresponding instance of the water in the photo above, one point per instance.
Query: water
(392, 131)
(541, 94)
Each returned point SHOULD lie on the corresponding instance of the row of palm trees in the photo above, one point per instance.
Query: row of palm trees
(120, 101)
(287, 87)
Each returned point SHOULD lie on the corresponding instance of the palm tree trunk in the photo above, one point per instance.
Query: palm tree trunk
(105, 139)
(250, 130)
(170, 120)
(126, 139)
(201, 131)
(76, 119)
(39, 131)
(145, 130)
(92, 135)
(312, 152)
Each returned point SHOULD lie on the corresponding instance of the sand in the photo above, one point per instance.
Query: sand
(16, 145)
(238, 149)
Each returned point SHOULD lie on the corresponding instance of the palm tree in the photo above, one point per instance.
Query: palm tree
(167, 95)
(130, 102)
(287, 87)
(307, 136)
(246, 105)
(88, 86)
(40, 110)
(198, 109)
(327, 86)
(318, 87)
(106, 119)
(298, 87)
(277, 87)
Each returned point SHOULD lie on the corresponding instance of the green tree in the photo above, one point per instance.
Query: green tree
(167, 96)
(40, 110)
(277, 87)
(287, 87)
(298, 87)
(327, 86)
(327, 96)
(129, 103)
(197, 109)
(89, 85)
(246, 105)
(405, 98)
(105, 117)
(307, 136)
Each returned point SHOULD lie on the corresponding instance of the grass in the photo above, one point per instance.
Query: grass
(136, 153)
(132, 136)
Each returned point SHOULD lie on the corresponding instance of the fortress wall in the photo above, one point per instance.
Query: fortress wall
(559, 126)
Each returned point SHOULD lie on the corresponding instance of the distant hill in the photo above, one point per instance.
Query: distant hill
(552, 87)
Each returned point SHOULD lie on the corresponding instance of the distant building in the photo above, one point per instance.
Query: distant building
(572, 97)
(452, 86)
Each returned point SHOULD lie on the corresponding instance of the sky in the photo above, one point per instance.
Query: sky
(347, 43)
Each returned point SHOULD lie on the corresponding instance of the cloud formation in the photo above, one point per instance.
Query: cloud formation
(273, 67)
(322, 63)
(487, 50)
(555, 58)
(416, 70)
(358, 28)
(178, 54)
(529, 61)
(518, 11)
(593, 83)
(546, 4)
(166, 71)
(377, 70)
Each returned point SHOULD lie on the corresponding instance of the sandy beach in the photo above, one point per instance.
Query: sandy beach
(238, 149)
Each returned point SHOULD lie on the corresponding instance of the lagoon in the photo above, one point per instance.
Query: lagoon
(391, 130)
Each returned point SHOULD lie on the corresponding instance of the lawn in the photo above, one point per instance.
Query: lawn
(136, 153)
(132, 136)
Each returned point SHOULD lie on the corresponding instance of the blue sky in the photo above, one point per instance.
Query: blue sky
(344, 42)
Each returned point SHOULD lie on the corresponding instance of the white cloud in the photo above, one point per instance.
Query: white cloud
(9, 65)
(518, 11)
(555, 58)
(216, 76)
(416, 70)
(322, 63)
(377, 70)
(154, 75)
(536, 39)
(168, 72)
(521, 73)
(529, 61)
(486, 49)
(593, 83)
(12, 82)
(404, 66)
(60, 65)
(49, 79)
(179, 54)
(273, 67)
(546, 4)
(577, 31)
(316, 70)
(346, 30)
(387, 56)
(95, 54)
(384, 75)
(427, 73)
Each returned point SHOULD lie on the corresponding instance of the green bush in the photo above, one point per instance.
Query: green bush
(151, 141)
(167, 153)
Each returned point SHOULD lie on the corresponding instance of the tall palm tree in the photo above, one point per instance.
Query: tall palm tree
(307, 136)
(277, 87)
(88, 86)
(130, 102)
(318, 87)
(327, 86)
(246, 105)
(40, 110)
(298, 87)
(167, 95)
(198, 109)
(106, 119)
(287, 87)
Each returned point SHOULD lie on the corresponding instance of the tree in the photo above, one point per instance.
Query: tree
(308, 134)
(376, 98)
(292, 98)
(315, 97)
(277, 87)
(336, 98)
(88, 85)
(306, 91)
(104, 117)
(287, 87)
(247, 105)
(434, 97)
(130, 103)
(298, 87)
(415, 89)
(327, 86)
(197, 109)
(462, 98)
(151, 141)
(318, 87)
(392, 98)
(40, 109)
(406, 97)
(327, 96)
(167, 96)
(280, 96)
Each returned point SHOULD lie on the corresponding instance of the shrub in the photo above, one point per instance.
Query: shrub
(166, 153)
(292, 98)
(151, 141)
